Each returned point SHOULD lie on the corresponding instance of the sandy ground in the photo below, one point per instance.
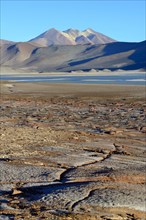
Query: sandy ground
(72, 89)
(71, 151)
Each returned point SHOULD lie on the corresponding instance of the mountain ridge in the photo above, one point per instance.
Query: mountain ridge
(71, 37)
(113, 56)
(83, 50)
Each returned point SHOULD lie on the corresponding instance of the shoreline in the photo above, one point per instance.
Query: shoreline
(53, 89)
(79, 78)
(23, 73)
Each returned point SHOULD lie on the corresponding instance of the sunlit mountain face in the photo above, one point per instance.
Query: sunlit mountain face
(71, 37)
(72, 50)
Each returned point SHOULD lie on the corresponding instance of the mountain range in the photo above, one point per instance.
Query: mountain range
(72, 50)
(71, 37)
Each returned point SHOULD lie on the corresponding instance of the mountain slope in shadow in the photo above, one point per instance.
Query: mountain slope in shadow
(113, 56)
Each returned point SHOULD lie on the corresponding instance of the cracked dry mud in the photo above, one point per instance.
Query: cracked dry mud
(72, 157)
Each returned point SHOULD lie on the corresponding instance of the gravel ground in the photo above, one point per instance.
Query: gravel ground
(72, 156)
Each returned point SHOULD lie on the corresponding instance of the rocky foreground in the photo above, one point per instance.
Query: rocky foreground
(72, 157)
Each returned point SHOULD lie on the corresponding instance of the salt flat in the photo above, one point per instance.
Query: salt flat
(71, 151)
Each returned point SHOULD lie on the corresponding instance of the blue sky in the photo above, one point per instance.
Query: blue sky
(122, 20)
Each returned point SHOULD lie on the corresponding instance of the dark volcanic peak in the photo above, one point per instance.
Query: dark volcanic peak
(71, 37)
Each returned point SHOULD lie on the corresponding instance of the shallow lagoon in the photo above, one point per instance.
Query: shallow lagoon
(126, 79)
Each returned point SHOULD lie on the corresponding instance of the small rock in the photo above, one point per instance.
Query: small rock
(143, 129)
(16, 191)
(2, 135)
(75, 138)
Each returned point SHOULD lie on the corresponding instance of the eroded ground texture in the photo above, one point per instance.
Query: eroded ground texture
(69, 157)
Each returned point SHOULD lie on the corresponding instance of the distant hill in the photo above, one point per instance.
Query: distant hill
(33, 57)
(71, 37)
(2, 42)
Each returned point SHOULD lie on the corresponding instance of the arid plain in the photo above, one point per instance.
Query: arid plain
(71, 151)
